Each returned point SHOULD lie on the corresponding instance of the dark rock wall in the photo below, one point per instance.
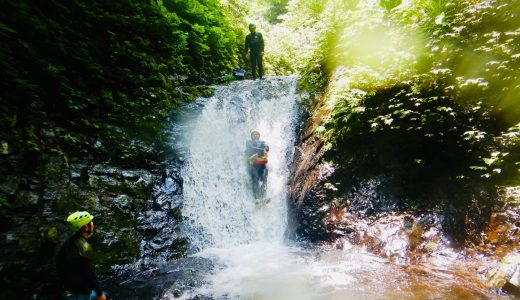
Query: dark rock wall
(136, 214)
(306, 193)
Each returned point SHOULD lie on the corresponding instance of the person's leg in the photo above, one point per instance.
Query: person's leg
(259, 171)
(94, 296)
(261, 181)
(260, 66)
(253, 65)
(254, 179)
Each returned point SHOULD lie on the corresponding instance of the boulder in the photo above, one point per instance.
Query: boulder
(507, 272)
(26, 198)
(9, 186)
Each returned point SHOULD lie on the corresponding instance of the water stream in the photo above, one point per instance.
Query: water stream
(246, 242)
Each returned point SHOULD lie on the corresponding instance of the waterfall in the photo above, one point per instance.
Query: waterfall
(219, 205)
(244, 243)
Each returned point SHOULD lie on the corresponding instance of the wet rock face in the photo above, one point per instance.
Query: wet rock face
(306, 193)
(402, 238)
(362, 218)
(415, 241)
(163, 280)
(506, 273)
(136, 215)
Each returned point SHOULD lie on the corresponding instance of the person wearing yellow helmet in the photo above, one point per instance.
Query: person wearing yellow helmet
(74, 261)
(256, 152)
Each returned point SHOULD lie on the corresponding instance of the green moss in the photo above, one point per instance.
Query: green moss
(123, 251)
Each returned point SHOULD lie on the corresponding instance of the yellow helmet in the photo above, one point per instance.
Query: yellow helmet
(77, 220)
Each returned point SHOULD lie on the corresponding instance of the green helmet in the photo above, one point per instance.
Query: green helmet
(79, 219)
(252, 26)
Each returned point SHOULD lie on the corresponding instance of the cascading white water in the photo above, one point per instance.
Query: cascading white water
(221, 216)
(252, 260)
(219, 205)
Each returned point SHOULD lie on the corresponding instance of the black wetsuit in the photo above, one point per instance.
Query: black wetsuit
(75, 268)
(255, 43)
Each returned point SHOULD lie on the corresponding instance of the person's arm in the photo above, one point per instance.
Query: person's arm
(246, 45)
(263, 146)
(261, 43)
(86, 266)
(248, 151)
(252, 157)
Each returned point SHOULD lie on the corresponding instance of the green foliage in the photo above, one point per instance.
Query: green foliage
(423, 93)
(4, 205)
(276, 9)
(412, 133)
(389, 4)
(98, 68)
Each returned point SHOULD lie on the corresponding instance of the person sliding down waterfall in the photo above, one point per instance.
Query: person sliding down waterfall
(256, 151)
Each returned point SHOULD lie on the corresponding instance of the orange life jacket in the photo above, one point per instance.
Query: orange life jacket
(261, 160)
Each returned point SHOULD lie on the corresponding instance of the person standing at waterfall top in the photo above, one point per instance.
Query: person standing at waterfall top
(255, 46)
(74, 261)
(256, 152)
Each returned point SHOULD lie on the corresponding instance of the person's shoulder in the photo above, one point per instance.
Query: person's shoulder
(67, 246)
(83, 246)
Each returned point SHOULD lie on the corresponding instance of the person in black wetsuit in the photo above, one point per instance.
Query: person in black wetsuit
(74, 261)
(255, 45)
(256, 152)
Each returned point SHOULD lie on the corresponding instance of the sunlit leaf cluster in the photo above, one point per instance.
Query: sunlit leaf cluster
(426, 92)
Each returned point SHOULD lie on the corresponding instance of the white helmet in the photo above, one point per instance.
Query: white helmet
(255, 132)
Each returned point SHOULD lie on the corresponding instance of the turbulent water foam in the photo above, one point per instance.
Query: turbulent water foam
(219, 205)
